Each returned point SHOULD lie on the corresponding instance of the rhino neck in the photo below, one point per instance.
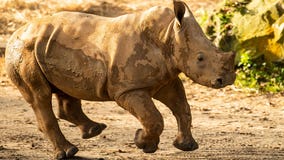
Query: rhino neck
(156, 26)
(166, 38)
(159, 31)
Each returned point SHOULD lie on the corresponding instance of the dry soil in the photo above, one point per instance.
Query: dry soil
(227, 123)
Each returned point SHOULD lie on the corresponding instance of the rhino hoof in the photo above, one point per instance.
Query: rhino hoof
(150, 149)
(147, 146)
(186, 146)
(69, 153)
(60, 155)
(94, 131)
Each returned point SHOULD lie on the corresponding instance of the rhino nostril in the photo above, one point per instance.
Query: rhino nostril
(219, 81)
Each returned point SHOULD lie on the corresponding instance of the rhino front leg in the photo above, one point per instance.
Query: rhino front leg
(70, 109)
(173, 96)
(140, 104)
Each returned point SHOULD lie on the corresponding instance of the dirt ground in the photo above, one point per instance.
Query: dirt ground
(227, 123)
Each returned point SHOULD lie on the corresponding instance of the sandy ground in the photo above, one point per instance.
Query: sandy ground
(227, 124)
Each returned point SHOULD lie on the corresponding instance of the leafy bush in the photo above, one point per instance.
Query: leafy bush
(256, 73)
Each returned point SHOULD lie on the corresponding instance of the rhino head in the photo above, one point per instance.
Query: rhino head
(195, 55)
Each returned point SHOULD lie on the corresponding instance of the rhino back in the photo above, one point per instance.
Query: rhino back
(97, 58)
(68, 59)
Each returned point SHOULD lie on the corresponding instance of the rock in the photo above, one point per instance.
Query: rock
(253, 26)
(260, 29)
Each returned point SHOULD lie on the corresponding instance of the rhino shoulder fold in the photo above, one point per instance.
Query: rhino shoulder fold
(157, 15)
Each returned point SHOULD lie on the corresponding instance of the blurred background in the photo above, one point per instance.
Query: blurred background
(242, 121)
(252, 28)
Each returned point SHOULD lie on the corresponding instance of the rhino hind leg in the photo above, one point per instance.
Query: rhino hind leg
(28, 78)
(70, 109)
(173, 96)
(140, 104)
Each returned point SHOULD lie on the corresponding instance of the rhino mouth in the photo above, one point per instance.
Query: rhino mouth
(223, 81)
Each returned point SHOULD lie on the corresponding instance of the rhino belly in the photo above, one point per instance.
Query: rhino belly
(73, 72)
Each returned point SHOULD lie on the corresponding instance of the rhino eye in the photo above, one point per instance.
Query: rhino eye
(200, 57)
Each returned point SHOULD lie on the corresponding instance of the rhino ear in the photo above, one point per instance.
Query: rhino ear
(179, 9)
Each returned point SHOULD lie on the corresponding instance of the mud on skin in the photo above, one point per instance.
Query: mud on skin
(63, 54)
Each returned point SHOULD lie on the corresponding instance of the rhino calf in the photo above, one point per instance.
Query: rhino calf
(129, 59)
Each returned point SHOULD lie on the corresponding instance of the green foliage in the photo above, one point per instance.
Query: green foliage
(255, 73)
(238, 6)
(220, 27)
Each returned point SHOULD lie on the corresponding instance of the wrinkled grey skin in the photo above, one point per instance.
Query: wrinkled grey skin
(129, 59)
